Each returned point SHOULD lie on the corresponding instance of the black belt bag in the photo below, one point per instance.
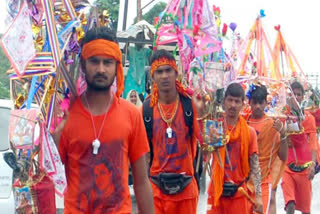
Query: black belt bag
(296, 168)
(230, 189)
(171, 183)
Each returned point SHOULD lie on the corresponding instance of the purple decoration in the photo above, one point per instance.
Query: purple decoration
(69, 61)
(233, 26)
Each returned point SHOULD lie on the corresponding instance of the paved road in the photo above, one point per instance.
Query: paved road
(315, 205)
(203, 198)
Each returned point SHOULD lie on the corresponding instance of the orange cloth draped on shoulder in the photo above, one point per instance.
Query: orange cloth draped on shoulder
(155, 91)
(268, 144)
(241, 131)
(103, 47)
(268, 134)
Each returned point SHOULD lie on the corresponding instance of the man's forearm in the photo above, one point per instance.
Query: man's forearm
(255, 173)
(144, 197)
(283, 149)
(142, 186)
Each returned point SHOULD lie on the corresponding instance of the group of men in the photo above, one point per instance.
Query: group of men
(102, 134)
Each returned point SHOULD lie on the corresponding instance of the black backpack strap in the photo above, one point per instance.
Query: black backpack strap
(148, 123)
(188, 117)
(187, 112)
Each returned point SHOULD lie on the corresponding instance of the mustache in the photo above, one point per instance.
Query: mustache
(232, 109)
(100, 76)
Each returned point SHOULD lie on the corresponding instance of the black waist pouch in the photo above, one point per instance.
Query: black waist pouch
(171, 183)
(230, 189)
(296, 168)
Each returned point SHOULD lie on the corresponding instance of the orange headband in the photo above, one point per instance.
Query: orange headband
(163, 61)
(155, 91)
(103, 47)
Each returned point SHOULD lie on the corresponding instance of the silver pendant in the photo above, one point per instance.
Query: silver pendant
(169, 132)
(95, 145)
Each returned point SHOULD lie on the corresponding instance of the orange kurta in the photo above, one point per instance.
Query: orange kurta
(174, 155)
(268, 144)
(296, 186)
(233, 172)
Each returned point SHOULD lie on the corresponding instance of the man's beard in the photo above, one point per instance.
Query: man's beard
(258, 114)
(96, 87)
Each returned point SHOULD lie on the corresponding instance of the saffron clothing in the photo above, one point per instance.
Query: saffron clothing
(277, 170)
(303, 144)
(266, 190)
(99, 183)
(296, 186)
(239, 205)
(316, 115)
(173, 207)
(233, 171)
(242, 144)
(175, 154)
(268, 145)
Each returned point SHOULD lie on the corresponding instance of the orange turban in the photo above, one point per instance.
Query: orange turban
(155, 92)
(103, 47)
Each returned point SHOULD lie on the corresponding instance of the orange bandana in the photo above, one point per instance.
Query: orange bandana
(155, 92)
(163, 61)
(103, 47)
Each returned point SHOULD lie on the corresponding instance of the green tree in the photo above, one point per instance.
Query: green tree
(154, 12)
(113, 8)
(4, 80)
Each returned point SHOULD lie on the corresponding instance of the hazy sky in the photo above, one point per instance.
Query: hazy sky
(298, 20)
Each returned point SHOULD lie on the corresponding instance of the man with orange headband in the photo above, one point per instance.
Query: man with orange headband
(174, 141)
(270, 144)
(302, 157)
(233, 162)
(102, 133)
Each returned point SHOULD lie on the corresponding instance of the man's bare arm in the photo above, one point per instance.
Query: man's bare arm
(255, 176)
(142, 186)
(312, 168)
(255, 173)
(283, 149)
